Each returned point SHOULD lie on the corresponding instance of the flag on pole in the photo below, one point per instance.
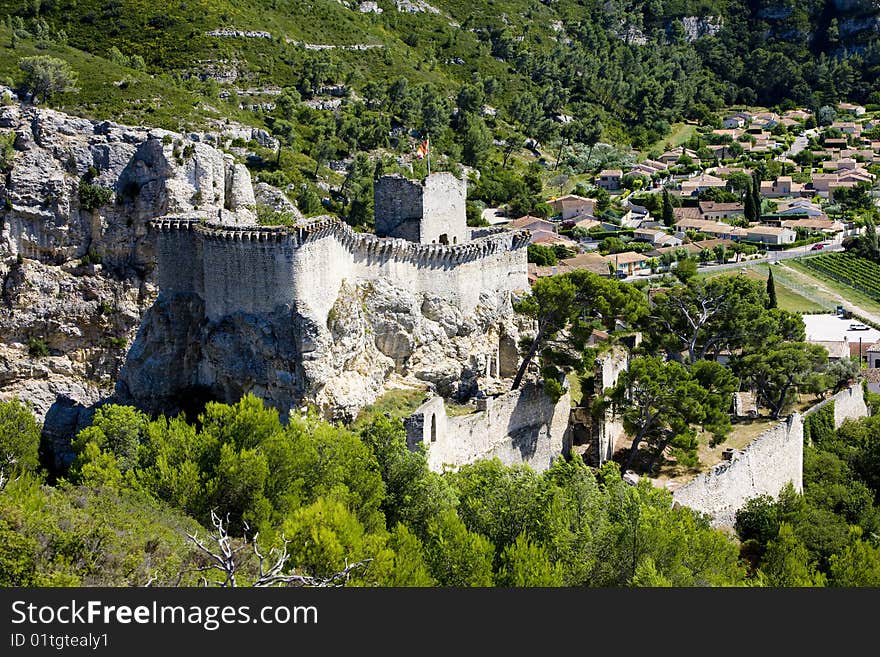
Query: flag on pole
(422, 151)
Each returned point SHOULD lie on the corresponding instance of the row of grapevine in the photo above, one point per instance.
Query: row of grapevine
(859, 273)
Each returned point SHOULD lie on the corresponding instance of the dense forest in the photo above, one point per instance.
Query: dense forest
(139, 489)
(478, 78)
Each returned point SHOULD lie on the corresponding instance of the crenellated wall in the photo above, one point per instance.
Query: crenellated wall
(258, 269)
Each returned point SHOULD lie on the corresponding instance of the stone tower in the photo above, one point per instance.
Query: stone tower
(428, 212)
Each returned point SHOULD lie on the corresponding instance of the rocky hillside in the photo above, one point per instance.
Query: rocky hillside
(80, 321)
(76, 263)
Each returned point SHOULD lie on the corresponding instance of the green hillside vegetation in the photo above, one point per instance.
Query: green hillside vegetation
(625, 73)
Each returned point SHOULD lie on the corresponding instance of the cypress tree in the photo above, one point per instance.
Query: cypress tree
(756, 196)
(771, 291)
(668, 215)
(749, 208)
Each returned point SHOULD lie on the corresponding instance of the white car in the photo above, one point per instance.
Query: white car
(856, 326)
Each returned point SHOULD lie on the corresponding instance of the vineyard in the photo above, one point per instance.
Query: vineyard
(858, 273)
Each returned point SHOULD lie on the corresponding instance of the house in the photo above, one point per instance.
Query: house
(671, 157)
(710, 210)
(535, 272)
(551, 239)
(797, 115)
(717, 229)
(767, 120)
(770, 235)
(826, 226)
(873, 353)
(629, 263)
(800, 206)
(738, 120)
(697, 184)
(837, 349)
(609, 179)
(872, 378)
(586, 223)
(571, 206)
(849, 108)
(835, 144)
(782, 186)
(848, 127)
(682, 214)
(656, 237)
(528, 222)
(589, 262)
(721, 151)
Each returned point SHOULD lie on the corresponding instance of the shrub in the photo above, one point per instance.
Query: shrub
(46, 77)
(38, 348)
(92, 196)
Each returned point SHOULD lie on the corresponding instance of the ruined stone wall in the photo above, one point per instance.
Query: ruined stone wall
(773, 459)
(764, 467)
(849, 404)
(521, 426)
(611, 365)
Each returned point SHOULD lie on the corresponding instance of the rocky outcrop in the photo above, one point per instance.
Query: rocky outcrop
(373, 332)
(76, 260)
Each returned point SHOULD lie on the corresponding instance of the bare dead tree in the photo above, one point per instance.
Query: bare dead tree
(7, 466)
(271, 566)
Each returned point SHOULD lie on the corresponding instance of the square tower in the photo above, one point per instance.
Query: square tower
(428, 212)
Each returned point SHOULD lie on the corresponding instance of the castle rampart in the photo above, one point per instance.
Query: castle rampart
(255, 269)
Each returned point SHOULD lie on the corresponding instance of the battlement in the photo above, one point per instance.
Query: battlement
(259, 269)
(366, 243)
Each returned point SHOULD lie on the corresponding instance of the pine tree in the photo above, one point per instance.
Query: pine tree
(668, 215)
(771, 291)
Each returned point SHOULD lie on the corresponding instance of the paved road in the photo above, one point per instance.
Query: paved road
(772, 256)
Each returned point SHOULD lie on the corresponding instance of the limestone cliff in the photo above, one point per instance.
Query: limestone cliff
(81, 320)
(76, 260)
(373, 331)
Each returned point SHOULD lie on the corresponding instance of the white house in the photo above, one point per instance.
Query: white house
(770, 235)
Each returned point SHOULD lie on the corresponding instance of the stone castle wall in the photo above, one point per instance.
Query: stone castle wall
(765, 466)
(521, 426)
(773, 459)
(849, 404)
(611, 365)
(257, 269)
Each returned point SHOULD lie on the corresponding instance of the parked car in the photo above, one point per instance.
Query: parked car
(817, 247)
(857, 326)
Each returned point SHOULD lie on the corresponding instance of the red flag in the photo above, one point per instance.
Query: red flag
(422, 151)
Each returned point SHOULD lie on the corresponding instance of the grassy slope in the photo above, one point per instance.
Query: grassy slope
(787, 290)
(839, 291)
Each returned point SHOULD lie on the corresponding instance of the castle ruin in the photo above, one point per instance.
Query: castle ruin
(422, 245)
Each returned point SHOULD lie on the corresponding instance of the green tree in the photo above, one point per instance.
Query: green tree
(662, 404)
(524, 563)
(777, 372)
(19, 440)
(771, 290)
(456, 556)
(668, 215)
(46, 77)
(542, 255)
(788, 562)
(116, 429)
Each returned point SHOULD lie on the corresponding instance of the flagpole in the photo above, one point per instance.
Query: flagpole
(428, 154)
